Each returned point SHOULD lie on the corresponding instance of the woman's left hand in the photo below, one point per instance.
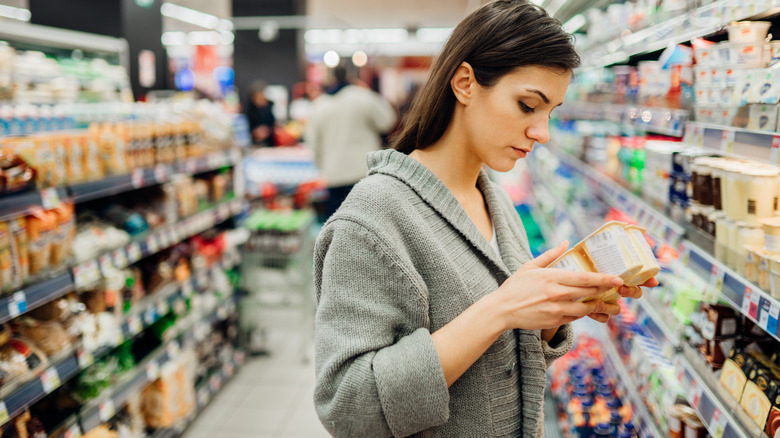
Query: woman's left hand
(611, 310)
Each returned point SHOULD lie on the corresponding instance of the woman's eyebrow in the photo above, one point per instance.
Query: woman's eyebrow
(542, 95)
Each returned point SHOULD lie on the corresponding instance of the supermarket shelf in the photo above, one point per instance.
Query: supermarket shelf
(660, 325)
(104, 407)
(664, 121)
(92, 270)
(658, 225)
(34, 296)
(614, 366)
(682, 27)
(739, 293)
(720, 413)
(21, 204)
(749, 144)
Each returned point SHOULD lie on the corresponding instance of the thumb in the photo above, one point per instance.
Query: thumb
(548, 257)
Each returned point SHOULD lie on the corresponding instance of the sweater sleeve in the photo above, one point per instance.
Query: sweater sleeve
(560, 344)
(377, 370)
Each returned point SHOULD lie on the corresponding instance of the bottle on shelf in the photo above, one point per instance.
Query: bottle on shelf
(604, 430)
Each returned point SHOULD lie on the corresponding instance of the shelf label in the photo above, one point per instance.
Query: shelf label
(163, 308)
(134, 324)
(150, 316)
(4, 417)
(727, 141)
(718, 424)
(173, 350)
(215, 383)
(106, 264)
(17, 304)
(746, 300)
(137, 178)
(161, 173)
(50, 380)
(134, 252)
(191, 166)
(203, 396)
(228, 368)
(152, 244)
(774, 312)
(763, 313)
(106, 410)
(85, 358)
(50, 198)
(86, 273)
(73, 432)
(120, 337)
(173, 235)
(120, 258)
(755, 302)
(774, 156)
(186, 289)
(239, 357)
(152, 371)
(698, 135)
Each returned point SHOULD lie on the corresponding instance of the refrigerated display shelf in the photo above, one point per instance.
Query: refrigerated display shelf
(20, 204)
(658, 225)
(614, 366)
(666, 121)
(743, 143)
(666, 331)
(684, 26)
(721, 414)
(744, 296)
(34, 295)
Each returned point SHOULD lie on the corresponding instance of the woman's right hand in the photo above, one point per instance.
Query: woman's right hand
(537, 298)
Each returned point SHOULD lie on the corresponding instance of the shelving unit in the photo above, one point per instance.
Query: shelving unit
(761, 146)
(665, 121)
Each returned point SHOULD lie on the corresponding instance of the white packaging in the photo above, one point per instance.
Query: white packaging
(725, 54)
(762, 117)
(748, 31)
(748, 55)
(703, 75)
(774, 52)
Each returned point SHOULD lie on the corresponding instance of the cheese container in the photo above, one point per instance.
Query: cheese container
(752, 262)
(774, 276)
(748, 31)
(771, 228)
(733, 378)
(747, 235)
(756, 403)
(650, 266)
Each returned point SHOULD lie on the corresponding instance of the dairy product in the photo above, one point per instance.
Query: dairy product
(771, 228)
(650, 266)
(774, 276)
(747, 235)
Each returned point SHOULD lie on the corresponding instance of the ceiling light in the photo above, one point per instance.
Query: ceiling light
(574, 23)
(15, 13)
(360, 58)
(203, 38)
(331, 58)
(356, 36)
(197, 18)
(174, 38)
(433, 34)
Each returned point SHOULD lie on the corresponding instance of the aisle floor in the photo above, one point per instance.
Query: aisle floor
(270, 397)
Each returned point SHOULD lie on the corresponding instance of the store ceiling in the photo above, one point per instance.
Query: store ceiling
(396, 13)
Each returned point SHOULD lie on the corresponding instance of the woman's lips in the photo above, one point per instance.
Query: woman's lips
(520, 152)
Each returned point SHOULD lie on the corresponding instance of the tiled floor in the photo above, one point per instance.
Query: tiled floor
(270, 397)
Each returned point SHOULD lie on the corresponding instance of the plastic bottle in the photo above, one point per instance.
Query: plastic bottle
(604, 430)
(584, 430)
(631, 430)
(616, 420)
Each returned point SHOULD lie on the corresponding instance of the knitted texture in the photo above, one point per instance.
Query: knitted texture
(399, 260)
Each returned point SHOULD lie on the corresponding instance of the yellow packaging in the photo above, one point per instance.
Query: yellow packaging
(6, 279)
(77, 156)
(756, 403)
(733, 379)
(650, 266)
(20, 255)
(94, 161)
(60, 150)
(122, 148)
(38, 154)
(62, 236)
(40, 229)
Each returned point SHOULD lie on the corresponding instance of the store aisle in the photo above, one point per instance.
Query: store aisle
(270, 397)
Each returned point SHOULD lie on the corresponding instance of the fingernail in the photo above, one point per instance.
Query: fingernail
(617, 281)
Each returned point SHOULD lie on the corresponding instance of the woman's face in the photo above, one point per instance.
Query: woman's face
(505, 120)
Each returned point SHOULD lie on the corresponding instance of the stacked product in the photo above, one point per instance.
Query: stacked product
(753, 379)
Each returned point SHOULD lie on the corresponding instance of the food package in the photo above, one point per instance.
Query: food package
(101, 431)
(41, 226)
(62, 238)
(61, 160)
(93, 163)
(16, 174)
(50, 336)
(76, 158)
(56, 310)
(18, 357)
(6, 272)
(172, 396)
(94, 300)
(612, 250)
(38, 154)
(20, 255)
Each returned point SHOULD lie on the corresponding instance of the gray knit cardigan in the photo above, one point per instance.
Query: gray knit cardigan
(399, 260)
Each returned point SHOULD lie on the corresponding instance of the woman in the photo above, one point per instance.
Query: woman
(432, 319)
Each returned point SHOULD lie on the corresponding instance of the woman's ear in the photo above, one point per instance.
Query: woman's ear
(463, 83)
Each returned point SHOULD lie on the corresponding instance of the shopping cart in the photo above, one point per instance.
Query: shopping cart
(276, 273)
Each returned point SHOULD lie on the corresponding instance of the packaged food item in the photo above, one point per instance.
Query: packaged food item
(77, 155)
(38, 154)
(721, 322)
(17, 175)
(20, 256)
(771, 227)
(6, 271)
(763, 117)
(50, 336)
(733, 378)
(650, 266)
(774, 276)
(62, 238)
(18, 357)
(756, 402)
(752, 263)
(748, 31)
(40, 229)
(93, 158)
(61, 165)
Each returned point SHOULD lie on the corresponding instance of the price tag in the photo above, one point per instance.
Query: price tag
(85, 358)
(161, 173)
(134, 252)
(152, 243)
(191, 166)
(134, 324)
(746, 298)
(698, 135)
(187, 289)
(727, 141)
(774, 155)
(755, 302)
(120, 258)
(228, 368)
(203, 396)
(718, 424)
(172, 349)
(106, 410)
(774, 316)
(17, 304)
(106, 264)
(4, 417)
(137, 178)
(50, 380)
(73, 432)
(150, 316)
(152, 371)
(763, 313)
(215, 383)
(120, 337)
(173, 236)
(716, 278)
(240, 357)
(50, 198)
(696, 395)
(163, 239)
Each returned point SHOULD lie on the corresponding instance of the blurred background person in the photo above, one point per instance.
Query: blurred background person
(344, 125)
(259, 111)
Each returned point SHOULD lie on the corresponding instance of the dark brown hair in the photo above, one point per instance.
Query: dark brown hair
(495, 39)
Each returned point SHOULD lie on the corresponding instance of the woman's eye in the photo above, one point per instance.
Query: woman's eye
(526, 108)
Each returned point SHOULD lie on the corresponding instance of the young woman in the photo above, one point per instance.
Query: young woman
(432, 319)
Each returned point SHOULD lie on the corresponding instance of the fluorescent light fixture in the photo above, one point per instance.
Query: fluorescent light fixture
(574, 23)
(174, 38)
(331, 58)
(360, 58)
(15, 13)
(197, 18)
(226, 38)
(433, 34)
(355, 36)
(537, 2)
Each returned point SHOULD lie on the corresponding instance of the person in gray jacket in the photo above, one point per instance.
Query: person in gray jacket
(433, 320)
